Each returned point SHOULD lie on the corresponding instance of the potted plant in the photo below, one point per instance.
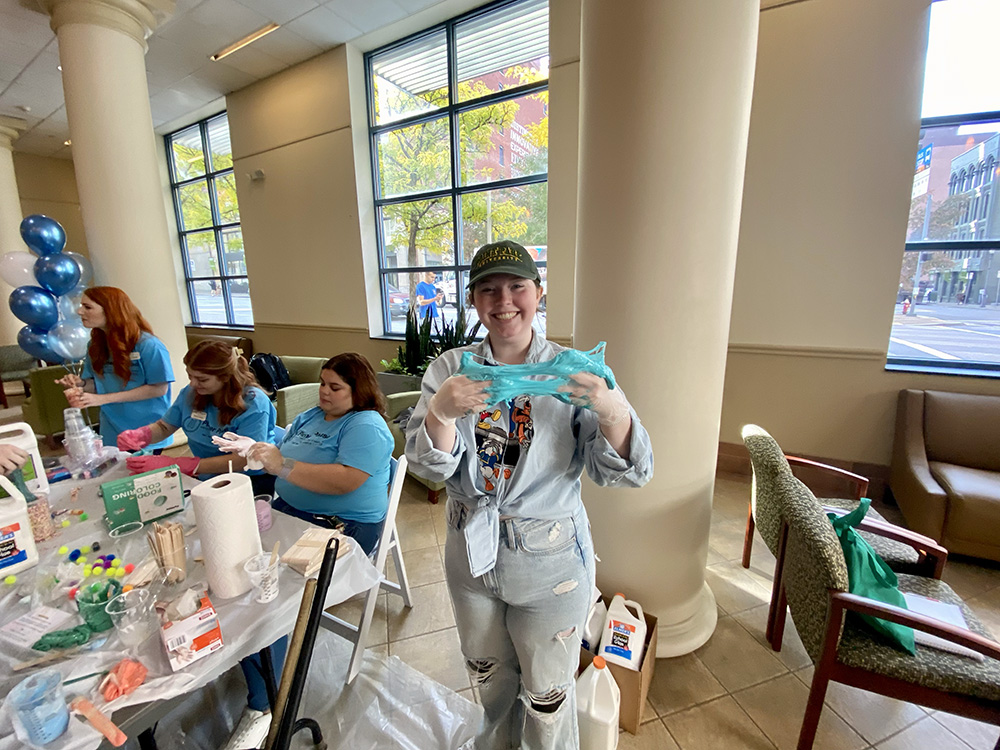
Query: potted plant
(419, 348)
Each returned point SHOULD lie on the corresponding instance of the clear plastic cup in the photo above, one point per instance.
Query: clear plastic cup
(263, 576)
(262, 506)
(128, 543)
(132, 615)
(167, 584)
(38, 705)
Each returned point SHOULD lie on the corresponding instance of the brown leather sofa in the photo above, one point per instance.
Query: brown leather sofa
(946, 469)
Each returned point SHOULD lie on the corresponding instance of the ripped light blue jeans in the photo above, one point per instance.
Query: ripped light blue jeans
(520, 626)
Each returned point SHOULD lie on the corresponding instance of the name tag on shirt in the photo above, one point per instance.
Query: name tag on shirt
(199, 415)
(135, 356)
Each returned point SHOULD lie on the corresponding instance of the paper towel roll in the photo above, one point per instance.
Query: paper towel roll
(227, 525)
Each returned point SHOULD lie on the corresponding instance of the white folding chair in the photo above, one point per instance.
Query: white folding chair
(358, 634)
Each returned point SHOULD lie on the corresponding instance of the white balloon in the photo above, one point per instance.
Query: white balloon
(69, 339)
(18, 269)
(68, 306)
(86, 268)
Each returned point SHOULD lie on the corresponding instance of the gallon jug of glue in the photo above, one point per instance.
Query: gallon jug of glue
(593, 628)
(23, 436)
(17, 543)
(624, 634)
(598, 700)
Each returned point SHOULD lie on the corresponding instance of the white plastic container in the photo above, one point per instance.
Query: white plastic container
(624, 634)
(593, 629)
(21, 435)
(598, 700)
(17, 543)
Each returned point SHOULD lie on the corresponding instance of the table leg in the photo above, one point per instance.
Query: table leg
(146, 739)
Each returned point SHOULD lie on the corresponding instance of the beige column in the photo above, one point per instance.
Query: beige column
(665, 110)
(102, 48)
(10, 220)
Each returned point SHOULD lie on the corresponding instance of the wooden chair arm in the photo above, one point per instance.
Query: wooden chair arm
(865, 606)
(927, 547)
(860, 483)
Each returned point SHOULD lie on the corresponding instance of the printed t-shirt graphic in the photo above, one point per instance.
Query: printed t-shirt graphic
(502, 434)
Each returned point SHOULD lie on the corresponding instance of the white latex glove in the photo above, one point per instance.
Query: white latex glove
(591, 392)
(230, 442)
(457, 397)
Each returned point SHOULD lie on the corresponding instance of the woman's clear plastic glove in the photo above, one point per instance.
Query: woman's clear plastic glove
(457, 397)
(591, 392)
(230, 442)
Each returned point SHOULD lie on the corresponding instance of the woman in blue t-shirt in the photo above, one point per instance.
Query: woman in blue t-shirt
(223, 396)
(332, 465)
(127, 370)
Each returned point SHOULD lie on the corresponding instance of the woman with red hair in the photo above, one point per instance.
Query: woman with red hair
(127, 370)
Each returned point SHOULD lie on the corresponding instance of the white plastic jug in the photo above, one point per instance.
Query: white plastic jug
(593, 628)
(21, 435)
(17, 543)
(624, 634)
(598, 700)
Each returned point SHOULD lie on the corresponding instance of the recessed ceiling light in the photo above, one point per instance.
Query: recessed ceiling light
(251, 37)
(67, 142)
(59, 67)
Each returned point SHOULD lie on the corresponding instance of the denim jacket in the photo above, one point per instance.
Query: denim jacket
(545, 483)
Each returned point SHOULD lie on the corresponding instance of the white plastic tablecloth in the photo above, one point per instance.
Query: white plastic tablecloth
(246, 625)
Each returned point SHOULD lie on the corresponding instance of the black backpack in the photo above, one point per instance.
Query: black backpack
(271, 373)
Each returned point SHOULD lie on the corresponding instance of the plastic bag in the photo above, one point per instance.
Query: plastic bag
(870, 576)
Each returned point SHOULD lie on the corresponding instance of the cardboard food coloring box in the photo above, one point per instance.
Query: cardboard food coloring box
(143, 497)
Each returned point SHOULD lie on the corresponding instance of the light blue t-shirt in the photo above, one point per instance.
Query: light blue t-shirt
(256, 421)
(150, 363)
(360, 439)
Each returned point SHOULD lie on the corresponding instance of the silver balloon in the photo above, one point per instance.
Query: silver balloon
(18, 269)
(68, 306)
(86, 268)
(69, 339)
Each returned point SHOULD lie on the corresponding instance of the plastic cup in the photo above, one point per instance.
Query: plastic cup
(263, 576)
(167, 584)
(262, 506)
(128, 543)
(132, 615)
(39, 706)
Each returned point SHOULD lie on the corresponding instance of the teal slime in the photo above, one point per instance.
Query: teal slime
(509, 381)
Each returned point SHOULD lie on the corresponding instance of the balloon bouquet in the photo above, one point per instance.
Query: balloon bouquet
(47, 292)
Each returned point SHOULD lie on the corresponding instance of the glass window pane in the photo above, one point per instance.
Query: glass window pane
(515, 213)
(218, 143)
(234, 261)
(396, 292)
(505, 140)
(415, 159)
(953, 316)
(209, 305)
(202, 260)
(239, 294)
(410, 79)
(503, 49)
(225, 197)
(419, 233)
(960, 76)
(195, 208)
(188, 157)
(954, 189)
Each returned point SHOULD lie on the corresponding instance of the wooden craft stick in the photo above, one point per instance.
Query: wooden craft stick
(99, 721)
(274, 553)
(46, 659)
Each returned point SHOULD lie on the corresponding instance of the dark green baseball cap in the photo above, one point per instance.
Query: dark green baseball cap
(504, 256)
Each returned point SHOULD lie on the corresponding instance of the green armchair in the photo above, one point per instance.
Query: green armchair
(395, 403)
(15, 363)
(303, 393)
(43, 410)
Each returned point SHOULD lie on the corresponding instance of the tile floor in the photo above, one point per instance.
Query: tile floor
(733, 692)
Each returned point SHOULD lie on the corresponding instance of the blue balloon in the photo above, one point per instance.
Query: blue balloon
(58, 273)
(43, 235)
(35, 306)
(35, 342)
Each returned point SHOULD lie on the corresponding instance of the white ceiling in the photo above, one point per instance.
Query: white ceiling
(182, 79)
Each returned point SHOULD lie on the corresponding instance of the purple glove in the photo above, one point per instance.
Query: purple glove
(134, 440)
(139, 464)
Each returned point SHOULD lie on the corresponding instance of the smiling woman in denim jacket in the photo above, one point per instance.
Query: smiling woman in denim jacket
(519, 558)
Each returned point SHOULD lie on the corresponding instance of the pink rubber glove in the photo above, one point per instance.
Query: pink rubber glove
(138, 464)
(134, 440)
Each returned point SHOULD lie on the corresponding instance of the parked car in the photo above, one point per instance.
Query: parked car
(399, 302)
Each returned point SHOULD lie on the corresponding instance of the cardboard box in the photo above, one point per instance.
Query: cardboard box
(192, 638)
(143, 497)
(634, 685)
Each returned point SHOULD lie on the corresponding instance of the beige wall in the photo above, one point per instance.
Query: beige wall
(833, 135)
(48, 186)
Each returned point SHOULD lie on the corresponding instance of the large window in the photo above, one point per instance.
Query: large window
(208, 222)
(947, 314)
(459, 139)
